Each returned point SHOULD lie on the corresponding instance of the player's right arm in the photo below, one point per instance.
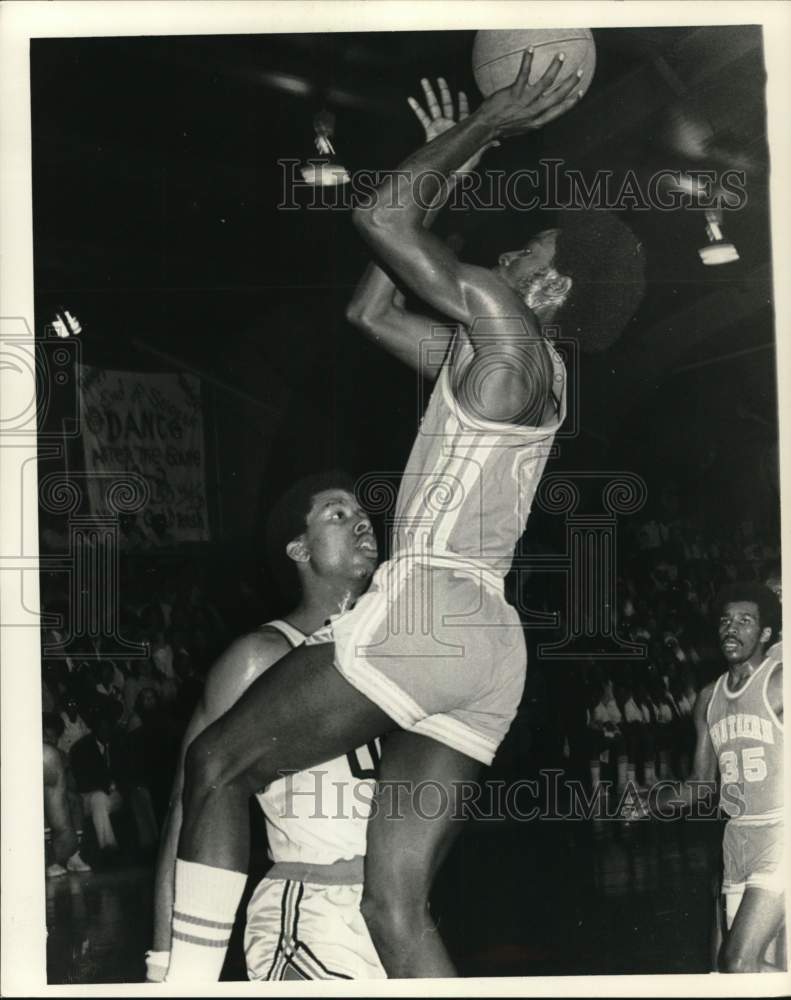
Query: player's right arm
(512, 378)
(704, 766)
(246, 659)
(377, 308)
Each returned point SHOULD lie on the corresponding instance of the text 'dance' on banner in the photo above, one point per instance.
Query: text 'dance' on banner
(150, 423)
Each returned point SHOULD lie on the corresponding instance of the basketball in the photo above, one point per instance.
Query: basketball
(497, 55)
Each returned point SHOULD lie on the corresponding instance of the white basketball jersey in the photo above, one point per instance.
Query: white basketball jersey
(747, 737)
(469, 483)
(320, 816)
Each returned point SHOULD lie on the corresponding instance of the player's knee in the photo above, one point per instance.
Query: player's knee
(386, 919)
(393, 912)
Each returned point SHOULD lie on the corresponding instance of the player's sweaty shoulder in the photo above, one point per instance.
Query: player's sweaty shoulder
(488, 297)
(774, 688)
(242, 662)
(702, 702)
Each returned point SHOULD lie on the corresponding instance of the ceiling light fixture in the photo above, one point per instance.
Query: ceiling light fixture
(324, 172)
(718, 250)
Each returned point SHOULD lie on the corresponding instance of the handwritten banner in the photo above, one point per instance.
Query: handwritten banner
(150, 423)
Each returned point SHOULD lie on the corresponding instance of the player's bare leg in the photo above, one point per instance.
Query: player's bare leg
(755, 925)
(406, 849)
(300, 713)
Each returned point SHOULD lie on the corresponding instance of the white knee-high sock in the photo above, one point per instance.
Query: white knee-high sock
(206, 900)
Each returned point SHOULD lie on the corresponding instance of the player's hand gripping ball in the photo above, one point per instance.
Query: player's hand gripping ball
(497, 56)
(524, 106)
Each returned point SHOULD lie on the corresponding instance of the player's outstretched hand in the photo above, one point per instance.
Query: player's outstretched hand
(441, 116)
(523, 106)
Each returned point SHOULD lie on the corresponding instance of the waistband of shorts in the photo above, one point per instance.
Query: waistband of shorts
(450, 561)
(343, 872)
(774, 817)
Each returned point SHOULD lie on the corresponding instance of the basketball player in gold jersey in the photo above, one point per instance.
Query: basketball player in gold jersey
(445, 687)
(739, 721)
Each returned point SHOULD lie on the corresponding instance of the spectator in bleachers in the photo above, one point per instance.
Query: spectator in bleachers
(50, 688)
(144, 674)
(96, 760)
(190, 686)
(664, 728)
(648, 735)
(151, 750)
(605, 735)
(138, 748)
(636, 729)
(108, 686)
(572, 717)
(74, 726)
(59, 812)
(685, 725)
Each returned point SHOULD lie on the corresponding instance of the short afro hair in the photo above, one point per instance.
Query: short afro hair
(769, 610)
(606, 264)
(287, 521)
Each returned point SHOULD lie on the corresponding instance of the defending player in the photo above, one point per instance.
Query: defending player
(304, 920)
(446, 686)
(739, 720)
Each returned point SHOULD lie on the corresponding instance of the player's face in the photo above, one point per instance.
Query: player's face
(339, 536)
(519, 267)
(740, 631)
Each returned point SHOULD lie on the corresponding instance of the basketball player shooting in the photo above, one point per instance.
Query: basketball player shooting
(445, 691)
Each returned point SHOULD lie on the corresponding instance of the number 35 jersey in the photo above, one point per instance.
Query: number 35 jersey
(320, 816)
(748, 740)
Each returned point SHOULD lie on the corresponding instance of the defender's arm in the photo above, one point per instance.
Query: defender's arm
(704, 766)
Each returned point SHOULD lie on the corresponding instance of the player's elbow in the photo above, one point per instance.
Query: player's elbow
(377, 221)
(356, 315)
(369, 215)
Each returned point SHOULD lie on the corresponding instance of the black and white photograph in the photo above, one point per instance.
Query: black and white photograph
(391, 446)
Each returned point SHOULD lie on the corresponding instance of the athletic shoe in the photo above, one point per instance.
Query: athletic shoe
(76, 864)
(55, 871)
